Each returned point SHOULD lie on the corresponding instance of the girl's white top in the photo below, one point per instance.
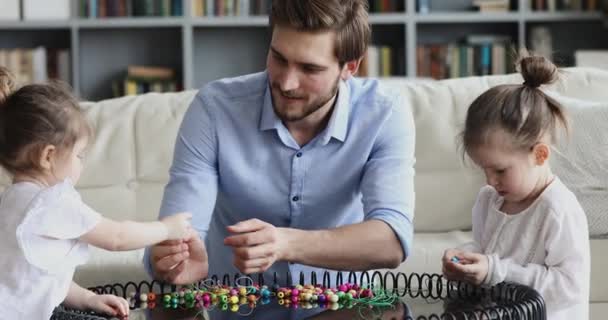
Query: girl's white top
(546, 247)
(39, 247)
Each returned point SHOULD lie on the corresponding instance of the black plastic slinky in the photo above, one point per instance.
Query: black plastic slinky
(510, 300)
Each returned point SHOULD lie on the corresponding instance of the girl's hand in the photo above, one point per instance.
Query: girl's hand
(178, 225)
(471, 267)
(108, 304)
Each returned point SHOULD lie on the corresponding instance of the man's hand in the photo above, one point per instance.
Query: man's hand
(256, 245)
(471, 267)
(179, 261)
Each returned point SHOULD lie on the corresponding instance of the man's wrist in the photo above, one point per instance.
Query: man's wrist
(286, 239)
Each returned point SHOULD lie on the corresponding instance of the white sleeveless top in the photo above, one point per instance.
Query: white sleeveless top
(39, 247)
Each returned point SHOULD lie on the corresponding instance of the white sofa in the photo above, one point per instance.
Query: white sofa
(127, 168)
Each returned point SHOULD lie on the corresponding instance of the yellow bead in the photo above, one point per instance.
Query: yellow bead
(234, 299)
(243, 291)
(234, 308)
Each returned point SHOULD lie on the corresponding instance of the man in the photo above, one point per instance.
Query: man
(296, 168)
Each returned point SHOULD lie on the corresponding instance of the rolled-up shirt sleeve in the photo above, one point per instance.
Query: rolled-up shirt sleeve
(388, 180)
(193, 181)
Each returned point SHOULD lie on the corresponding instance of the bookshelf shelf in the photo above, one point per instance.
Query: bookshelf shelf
(135, 22)
(202, 49)
(532, 16)
(28, 25)
(388, 18)
(467, 17)
(252, 21)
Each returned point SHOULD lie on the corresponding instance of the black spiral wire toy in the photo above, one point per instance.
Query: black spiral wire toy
(508, 300)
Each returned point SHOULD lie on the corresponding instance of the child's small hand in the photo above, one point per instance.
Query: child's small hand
(178, 225)
(108, 304)
(471, 267)
(451, 256)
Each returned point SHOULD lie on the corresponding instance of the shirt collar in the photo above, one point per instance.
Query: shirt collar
(336, 127)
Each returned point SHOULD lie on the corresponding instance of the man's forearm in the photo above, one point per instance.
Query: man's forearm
(368, 245)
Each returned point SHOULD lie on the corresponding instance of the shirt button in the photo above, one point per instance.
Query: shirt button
(295, 198)
(299, 154)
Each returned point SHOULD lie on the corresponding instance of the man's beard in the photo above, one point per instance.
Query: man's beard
(307, 110)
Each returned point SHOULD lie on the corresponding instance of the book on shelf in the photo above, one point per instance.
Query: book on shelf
(223, 8)
(143, 79)
(423, 6)
(46, 10)
(428, 6)
(477, 55)
(384, 6)
(382, 61)
(565, 5)
(37, 65)
(492, 5)
(129, 8)
(148, 72)
(10, 10)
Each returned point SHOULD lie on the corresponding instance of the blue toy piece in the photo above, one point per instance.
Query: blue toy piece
(455, 259)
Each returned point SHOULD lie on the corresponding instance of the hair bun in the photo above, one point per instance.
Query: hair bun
(537, 71)
(7, 84)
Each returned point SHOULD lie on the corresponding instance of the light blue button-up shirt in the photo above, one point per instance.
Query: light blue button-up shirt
(235, 160)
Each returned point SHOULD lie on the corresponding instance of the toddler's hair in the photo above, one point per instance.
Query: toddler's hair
(34, 116)
(523, 111)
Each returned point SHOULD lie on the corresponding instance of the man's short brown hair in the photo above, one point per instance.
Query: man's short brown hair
(348, 18)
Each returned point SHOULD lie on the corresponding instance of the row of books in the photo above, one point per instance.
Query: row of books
(220, 8)
(37, 65)
(477, 56)
(556, 5)
(143, 79)
(383, 6)
(129, 8)
(34, 10)
(427, 6)
(201, 8)
(382, 61)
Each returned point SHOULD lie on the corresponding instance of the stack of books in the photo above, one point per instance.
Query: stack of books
(143, 79)
(492, 5)
(37, 65)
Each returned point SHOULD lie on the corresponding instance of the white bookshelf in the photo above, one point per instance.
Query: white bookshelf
(202, 49)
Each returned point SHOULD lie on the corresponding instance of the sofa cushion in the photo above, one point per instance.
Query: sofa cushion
(127, 165)
(580, 160)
